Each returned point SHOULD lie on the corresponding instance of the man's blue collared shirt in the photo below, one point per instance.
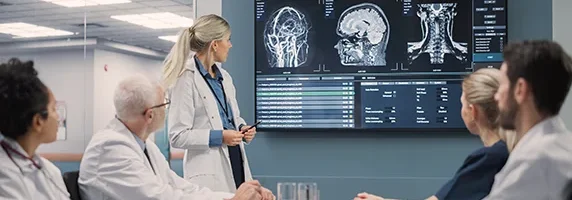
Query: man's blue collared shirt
(216, 85)
(140, 142)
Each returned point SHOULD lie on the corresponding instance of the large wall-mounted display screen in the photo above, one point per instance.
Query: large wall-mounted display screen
(377, 64)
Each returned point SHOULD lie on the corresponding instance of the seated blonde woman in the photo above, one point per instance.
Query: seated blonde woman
(480, 113)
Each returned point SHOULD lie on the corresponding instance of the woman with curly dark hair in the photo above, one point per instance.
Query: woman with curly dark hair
(28, 118)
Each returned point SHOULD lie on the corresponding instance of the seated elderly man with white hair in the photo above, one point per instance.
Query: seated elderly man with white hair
(121, 163)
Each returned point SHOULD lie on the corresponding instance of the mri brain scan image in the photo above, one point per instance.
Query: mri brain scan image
(286, 38)
(364, 32)
(437, 34)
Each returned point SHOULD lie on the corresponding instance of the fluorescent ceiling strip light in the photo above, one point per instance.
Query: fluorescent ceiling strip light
(163, 20)
(82, 3)
(172, 38)
(25, 30)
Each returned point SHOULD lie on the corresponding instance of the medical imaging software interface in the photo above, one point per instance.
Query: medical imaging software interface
(377, 64)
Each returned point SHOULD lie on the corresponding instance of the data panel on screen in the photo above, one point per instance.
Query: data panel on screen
(371, 64)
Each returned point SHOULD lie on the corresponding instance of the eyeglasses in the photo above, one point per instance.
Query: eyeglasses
(166, 104)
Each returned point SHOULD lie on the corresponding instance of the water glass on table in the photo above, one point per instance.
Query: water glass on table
(287, 191)
(308, 191)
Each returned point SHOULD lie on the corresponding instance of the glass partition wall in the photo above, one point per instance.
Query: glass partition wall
(82, 49)
(53, 37)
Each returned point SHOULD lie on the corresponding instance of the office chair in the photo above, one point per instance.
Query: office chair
(70, 179)
(567, 193)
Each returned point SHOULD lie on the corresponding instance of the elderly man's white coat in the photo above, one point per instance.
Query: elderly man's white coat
(114, 165)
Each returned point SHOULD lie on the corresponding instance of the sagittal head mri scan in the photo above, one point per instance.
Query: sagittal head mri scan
(286, 38)
(437, 34)
(364, 33)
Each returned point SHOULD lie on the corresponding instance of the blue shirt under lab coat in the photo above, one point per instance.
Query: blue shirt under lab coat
(216, 84)
(235, 153)
(475, 178)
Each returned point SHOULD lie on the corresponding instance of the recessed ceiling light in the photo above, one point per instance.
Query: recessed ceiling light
(163, 20)
(80, 3)
(25, 30)
(172, 38)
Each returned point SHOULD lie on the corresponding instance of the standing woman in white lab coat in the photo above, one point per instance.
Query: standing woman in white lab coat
(204, 118)
(28, 118)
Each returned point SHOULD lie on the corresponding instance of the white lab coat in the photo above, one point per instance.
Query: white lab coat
(192, 115)
(114, 167)
(30, 183)
(539, 166)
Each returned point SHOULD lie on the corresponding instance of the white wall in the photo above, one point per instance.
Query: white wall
(70, 77)
(119, 66)
(562, 33)
(82, 82)
(205, 7)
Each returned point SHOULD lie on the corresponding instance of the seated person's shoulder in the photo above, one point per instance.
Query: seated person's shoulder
(53, 171)
(498, 149)
(104, 147)
(106, 143)
(557, 148)
(7, 166)
(497, 153)
(546, 150)
(50, 166)
(560, 140)
(108, 137)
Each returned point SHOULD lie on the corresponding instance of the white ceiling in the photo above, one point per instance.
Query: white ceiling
(42, 13)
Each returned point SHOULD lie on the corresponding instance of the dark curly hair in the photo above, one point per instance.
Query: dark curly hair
(22, 96)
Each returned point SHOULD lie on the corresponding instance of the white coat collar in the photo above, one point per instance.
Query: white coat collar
(118, 126)
(17, 158)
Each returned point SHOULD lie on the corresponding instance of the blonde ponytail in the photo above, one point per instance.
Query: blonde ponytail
(174, 64)
(197, 38)
(480, 88)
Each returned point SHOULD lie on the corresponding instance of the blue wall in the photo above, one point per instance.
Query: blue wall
(67, 166)
(401, 165)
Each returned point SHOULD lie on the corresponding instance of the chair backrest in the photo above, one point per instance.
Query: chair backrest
(567, 194)
(70, 178)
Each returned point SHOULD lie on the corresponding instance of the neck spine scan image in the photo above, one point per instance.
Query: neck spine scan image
(437, 21)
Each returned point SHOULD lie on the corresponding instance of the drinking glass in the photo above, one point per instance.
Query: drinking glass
(307, 191)
(286, 191)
